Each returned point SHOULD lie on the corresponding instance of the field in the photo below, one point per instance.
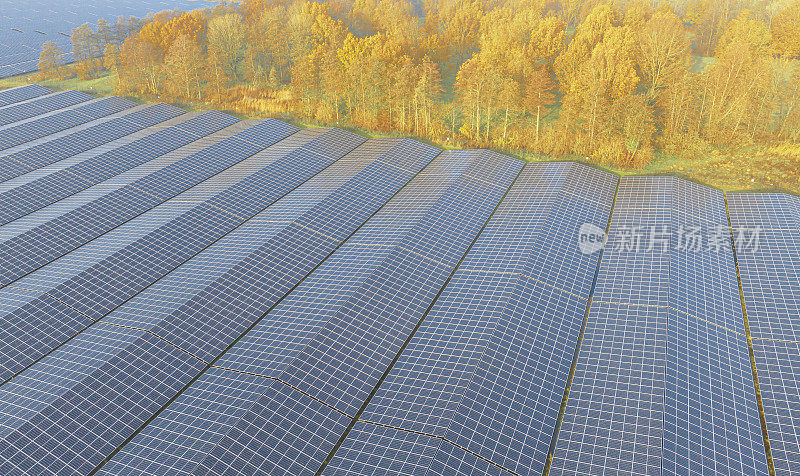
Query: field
(753, 168)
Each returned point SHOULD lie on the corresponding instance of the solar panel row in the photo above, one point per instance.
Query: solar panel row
(83, 278)
(663, 379)
(278, 257)
(770, 272)
(40, 105)
(189, 451)
(21, 93)
(192, 294)
(23, 196)
(55, 147)
(36, 127)
(489, 364)
(346, 327)
(103, 207)
(188, 322)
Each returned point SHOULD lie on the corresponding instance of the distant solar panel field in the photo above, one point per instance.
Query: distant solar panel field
(26, 25)
(190, 293)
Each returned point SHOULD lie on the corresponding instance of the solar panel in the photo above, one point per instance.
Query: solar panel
(480, 385)
(102, 275)
(197, 320)
(663, 379)
(51, 149)
(37, 127)
(40, 105)
(768, 253)
(21, 93)
(279, 257)
(22, 198)
(310, 341)
(86, 215)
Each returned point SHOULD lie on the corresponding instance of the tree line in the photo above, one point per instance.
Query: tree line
(610, 80)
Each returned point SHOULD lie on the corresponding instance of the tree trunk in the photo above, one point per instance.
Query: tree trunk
(477, 115)
(488, 119)
(538, 115)
(453, 123)
(505, 126)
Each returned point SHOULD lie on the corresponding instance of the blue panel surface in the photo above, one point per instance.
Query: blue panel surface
(487, 369)
(202, 324)
(27, 251)
(29, 197)
(22, 93)
(40, 105)
(767, 230)
(261, 260)
(342, 331)
(69, 412)
(663, 379)
(138, 261)
(52, 151)
(37, 127)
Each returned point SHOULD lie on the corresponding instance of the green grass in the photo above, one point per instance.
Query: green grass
(102, 86)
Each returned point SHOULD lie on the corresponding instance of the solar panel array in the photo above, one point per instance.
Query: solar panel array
(187, 293)
(26, 26)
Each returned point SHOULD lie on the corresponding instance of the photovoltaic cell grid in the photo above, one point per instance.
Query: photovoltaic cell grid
(101, 208)
(344, 340)
(277, 260)
(40, 105)
(20, 132)
(770, 274)
(491, 360)
(22, 93)
(197, 444)
(23, 197)
(51, 149)
(663, 379)
(98, 277)
(133, 352)
(142, 284)
(95, 279)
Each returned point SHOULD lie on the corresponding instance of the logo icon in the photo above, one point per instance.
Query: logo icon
(591, 238)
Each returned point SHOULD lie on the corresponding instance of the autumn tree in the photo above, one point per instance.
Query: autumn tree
(226, 36)
(587, 36)
(624, 76)
(663, 49)
(86, 52)
(733, 82)
(546, 41)
(111, 58)
(216, 74)
(539, 95)
(459, 23)
(184, 66)
(790, 116)
(50, 60)
(141, 72)
(426, 95)
(103, 34)
(785, 31)
(470, 87)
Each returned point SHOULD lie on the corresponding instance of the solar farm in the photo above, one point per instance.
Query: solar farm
(26, 25)
(189, 293)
